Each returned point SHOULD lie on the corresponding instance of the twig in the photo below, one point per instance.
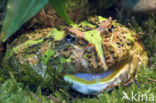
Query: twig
(147, 83)
(153, 80)
(131, 27)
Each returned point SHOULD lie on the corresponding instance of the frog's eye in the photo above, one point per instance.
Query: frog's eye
(70, 38)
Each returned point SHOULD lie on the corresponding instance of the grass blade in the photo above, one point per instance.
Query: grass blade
(60, 8)
(17, 13)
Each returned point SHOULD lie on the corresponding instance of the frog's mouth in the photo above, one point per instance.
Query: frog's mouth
(86, 83)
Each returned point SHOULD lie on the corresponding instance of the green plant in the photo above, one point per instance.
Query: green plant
(12, 92)
(20, 11)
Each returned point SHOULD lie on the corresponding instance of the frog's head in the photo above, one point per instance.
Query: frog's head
(103, 56)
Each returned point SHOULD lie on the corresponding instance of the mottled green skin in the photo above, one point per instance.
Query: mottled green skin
(45, 54)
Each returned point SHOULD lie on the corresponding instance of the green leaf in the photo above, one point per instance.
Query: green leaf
(60, 7)
(17, 13)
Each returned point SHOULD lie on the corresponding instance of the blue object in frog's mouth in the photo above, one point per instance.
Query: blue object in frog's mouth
(87, 76)
(92, 84)
(88, 88)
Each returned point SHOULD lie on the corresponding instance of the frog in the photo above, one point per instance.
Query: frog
(95, 55)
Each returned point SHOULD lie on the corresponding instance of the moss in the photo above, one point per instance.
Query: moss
(147, 30)
(63, 60)
(13, 92)
(9, 53)
(75, 3)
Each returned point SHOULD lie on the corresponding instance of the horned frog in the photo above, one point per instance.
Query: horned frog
(97, 54)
